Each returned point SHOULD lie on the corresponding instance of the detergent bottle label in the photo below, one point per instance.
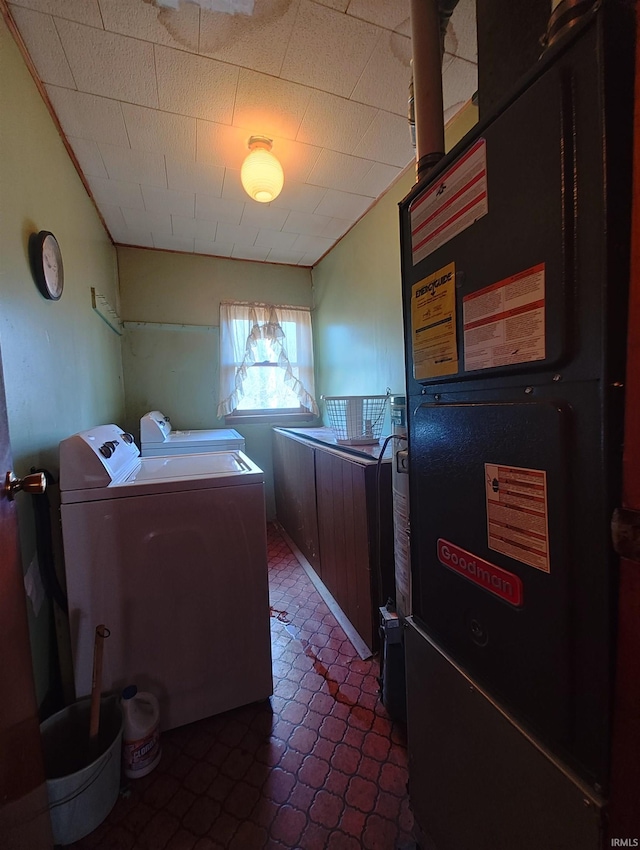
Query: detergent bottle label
(139, 755)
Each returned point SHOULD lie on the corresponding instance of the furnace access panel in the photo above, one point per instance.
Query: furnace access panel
(515, 269)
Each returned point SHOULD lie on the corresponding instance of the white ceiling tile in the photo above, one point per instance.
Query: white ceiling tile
(195, 85)
(232, 187)
(460, 38)
(89, 117)
(211, 208)
(168, 201)
(328, 50)
(308, 224)
(263, 215)
(390, 14)
(337, 227)
(190, 228)
(132, 236)
(257, 42)
(309, 259)
(249, 252)
(152, 130)
(116, 193)
(276, 239)
(385, 81)
(387, 140)
(194, 177)
(148, 22)
(172, 243)
(218, 249)
(297, 159)
(144, 220)
(44, 46)
(113, 217)
(334, 170)
(344, 205)
(238, 235)
(267, 106)
(459, 82)
(221, 145)
(312, 244)
(299, 196)
(377, 180)
(277, 255)
(340, 5)
(94, 54)
(82, 11)
(88, 155)
(134, 166)
(335, 122)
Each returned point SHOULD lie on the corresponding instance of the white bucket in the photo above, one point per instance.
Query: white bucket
(83, 779)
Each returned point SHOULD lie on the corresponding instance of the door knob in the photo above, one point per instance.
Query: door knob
(35, 483)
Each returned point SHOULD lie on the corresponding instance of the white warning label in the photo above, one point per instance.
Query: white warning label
(453, 203)
(504, 323)
(517, 517)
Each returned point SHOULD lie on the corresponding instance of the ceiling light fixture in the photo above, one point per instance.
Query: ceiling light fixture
(261, 173)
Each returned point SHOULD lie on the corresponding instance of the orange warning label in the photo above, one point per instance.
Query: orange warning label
(517, 516)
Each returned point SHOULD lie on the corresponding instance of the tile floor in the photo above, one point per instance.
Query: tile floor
(318, 767)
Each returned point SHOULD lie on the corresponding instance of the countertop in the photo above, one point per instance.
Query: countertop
(326, 437)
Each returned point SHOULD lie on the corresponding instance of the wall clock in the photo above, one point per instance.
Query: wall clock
(46, 264)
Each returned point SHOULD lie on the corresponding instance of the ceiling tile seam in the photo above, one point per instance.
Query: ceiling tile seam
(155, 77)
(47, 14)
(199, 30)
(393, 31)
(461, 58)
(286, 50)
(366, 64)
(64, 53)
(359, 194)
(166, 180)
(101, 15)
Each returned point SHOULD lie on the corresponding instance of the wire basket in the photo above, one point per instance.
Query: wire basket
(357, 420)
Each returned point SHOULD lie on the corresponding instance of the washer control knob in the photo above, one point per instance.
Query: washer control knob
(127, 437)
(106, 449)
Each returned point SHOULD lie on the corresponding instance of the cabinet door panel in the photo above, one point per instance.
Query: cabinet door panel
(343, 533)
(295, 492)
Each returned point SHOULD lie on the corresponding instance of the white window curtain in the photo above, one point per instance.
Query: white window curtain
(241, 326)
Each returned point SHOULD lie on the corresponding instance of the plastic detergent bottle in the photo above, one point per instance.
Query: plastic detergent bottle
(141, 748)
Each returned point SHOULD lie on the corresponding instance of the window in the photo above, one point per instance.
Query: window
(266, 361)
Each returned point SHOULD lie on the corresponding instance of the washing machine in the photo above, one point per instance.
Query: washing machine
(157, 438)
(170, 554)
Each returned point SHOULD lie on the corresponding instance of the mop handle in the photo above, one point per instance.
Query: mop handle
(102, 632)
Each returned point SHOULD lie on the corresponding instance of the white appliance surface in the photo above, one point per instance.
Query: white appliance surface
(157, 437)
(170, 554)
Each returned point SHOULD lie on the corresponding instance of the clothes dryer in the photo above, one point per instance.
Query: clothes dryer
(157, 438)
(170, 554)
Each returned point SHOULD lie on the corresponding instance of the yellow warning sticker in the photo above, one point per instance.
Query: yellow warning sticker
(433, 325)
(517, 517)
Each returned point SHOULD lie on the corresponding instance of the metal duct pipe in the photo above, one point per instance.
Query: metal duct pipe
(429, 19)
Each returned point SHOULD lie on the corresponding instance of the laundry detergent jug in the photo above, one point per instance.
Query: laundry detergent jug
(141, 748)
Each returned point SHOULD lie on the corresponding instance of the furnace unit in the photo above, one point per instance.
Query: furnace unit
(515, 256)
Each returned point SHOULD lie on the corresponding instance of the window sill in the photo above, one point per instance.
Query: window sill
(274, 418)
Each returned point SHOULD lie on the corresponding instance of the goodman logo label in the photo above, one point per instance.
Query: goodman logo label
(501, 583)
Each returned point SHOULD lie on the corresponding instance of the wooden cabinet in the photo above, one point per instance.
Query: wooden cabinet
(335, 504)
(295, 492)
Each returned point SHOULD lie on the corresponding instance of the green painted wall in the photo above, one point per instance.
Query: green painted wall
(62, 364)
(170, 305)
(358, 332)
